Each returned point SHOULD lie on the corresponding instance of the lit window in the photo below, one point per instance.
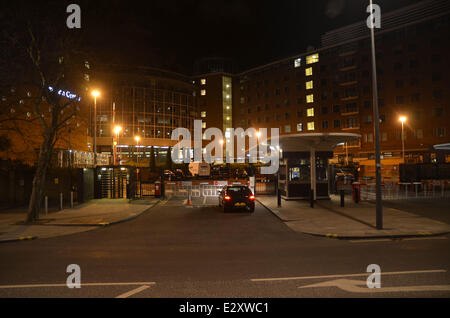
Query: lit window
(312, 58)
(298, 62)
(287, 128)
(310, 112)
(311, 125)
(309, 85)
(310, 98)
(203, 125)
(308, 71)
(203, 114)
(300, 127)
(203, 81)
(203, 92)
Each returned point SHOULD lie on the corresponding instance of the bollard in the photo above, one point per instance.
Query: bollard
(278, 198)
(46, 205)
(342, 198)
(356, 194)
(60, 201)
(312, 199)
(71, 199)
(442, 188)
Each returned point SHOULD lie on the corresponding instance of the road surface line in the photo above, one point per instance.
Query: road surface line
(353, 287)
(133, 292)
(65, 285)
(346, 275)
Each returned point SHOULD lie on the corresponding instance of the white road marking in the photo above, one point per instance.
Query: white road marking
(353, 287)
(82, 285)
(346, 275)
(133, 292)
(404, 239)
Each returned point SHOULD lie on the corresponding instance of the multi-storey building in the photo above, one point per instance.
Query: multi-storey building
(147, 104)
(323, 90)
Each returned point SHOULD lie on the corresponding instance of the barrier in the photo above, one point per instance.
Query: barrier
(391, 190)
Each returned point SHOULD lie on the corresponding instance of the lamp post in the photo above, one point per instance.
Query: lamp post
(376, 124)
(95, 94)
(403, 119)
(137, 138)
(117, 130)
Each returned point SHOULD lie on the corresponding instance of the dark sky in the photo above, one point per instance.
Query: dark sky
(172, 34)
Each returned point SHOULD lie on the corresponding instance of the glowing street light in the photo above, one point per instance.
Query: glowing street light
(96, 94)
(403, 120)
(117, 130)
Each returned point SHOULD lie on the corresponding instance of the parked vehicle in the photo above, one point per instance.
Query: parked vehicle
(200, 169)
(237, 197)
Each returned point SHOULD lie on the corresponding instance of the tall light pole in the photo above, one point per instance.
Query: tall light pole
(403, 119)
(376, 124)
(117, 130)
(95, 94)
(137, 138)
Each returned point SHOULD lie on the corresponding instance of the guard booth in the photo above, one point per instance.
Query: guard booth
(304, 164)
(113, 182)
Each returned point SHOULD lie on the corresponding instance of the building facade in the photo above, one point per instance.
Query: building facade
(324, 90)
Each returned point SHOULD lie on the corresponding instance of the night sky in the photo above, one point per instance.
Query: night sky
(172, 34)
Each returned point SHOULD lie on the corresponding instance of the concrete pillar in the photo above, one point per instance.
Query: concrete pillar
(313, 171)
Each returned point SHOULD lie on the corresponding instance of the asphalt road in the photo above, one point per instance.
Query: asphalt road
(174, 250)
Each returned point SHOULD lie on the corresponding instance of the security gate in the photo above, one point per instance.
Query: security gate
(112, 182)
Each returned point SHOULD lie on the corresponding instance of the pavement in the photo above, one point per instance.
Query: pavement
(84, 217)
(353, 221)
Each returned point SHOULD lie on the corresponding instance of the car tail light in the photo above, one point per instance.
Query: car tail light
(252, 197)
(227, 197)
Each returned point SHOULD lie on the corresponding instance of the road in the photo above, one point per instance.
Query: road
(174, 250)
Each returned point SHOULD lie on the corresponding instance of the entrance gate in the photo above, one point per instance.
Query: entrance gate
(112, 182)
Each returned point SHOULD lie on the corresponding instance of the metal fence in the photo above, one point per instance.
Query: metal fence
(183, 188)
(405, 190)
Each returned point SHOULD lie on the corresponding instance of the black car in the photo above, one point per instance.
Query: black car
(236, 197)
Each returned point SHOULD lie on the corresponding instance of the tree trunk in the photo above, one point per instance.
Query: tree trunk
(37, 192)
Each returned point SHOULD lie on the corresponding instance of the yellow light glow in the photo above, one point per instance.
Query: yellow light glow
(221, 141)
(95, 93)
(117, 129)
(137, 138)
(402, 119)
(258, 134)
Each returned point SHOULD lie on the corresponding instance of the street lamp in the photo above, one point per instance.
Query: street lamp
(117, 130)
(403, 119)
(376, 124)
(95, 93)
(137, 138)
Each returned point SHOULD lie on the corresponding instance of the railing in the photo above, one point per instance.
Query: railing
(407, 190)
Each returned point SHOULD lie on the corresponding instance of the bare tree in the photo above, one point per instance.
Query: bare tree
(42, 87)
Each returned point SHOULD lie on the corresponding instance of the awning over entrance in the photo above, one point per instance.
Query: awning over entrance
(318, 141)
(442, 146)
